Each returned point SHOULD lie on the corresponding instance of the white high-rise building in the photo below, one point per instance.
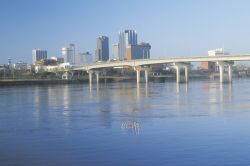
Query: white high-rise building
(38, 55)
(68, 54)
(126, 38)
(115, 51)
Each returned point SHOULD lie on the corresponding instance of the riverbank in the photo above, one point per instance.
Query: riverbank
(38, 82)
(84, 80)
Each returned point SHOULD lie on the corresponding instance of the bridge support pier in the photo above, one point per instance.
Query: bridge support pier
(221, 73)
(91, 72)
(138, 70)
(177, 67)
(146, 75)
(138, 75)
(178, 76)
(97, 76)
(186, 74)
(90, 76)
(230, 74)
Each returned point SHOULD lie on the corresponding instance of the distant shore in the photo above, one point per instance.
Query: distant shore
(13, 82)
(84, 80)
(38, 82)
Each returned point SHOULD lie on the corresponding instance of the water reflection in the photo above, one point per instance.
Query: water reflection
(108, 123)
(126, 99)
(178, 85)
(131, 127)
(219, 95)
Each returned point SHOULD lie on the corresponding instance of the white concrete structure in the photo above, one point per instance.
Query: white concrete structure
(56, 68)
(225, 60)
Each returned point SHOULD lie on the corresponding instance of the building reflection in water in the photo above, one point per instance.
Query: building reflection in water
(66, 105)
(55, 102)
(219, 95)
(52, 102)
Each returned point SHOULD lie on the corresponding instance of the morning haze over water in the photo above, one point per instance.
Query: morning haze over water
(128, 82)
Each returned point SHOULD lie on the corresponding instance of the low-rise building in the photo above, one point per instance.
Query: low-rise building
(213, 66)
(21, 66)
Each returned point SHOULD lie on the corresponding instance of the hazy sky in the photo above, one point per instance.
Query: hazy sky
(173, 28)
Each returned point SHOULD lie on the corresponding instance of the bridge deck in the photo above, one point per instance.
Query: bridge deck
(141, 62)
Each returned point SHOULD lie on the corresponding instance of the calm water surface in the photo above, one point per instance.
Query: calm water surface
(202, 123)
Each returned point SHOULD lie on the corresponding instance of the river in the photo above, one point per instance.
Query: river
(199, 123)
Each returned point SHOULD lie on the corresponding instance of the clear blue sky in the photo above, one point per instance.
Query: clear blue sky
(173, 28)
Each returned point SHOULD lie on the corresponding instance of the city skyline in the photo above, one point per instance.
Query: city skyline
(172, 28)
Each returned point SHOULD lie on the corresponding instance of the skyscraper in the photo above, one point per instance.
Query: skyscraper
(84, 58)
(115, 51)
(102, 48)
(68, 54)
(38, 55)
(128, 37)
(140, 51)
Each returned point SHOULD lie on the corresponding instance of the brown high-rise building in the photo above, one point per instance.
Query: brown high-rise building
(141, 51)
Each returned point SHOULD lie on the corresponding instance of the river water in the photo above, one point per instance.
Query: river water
(200, 123)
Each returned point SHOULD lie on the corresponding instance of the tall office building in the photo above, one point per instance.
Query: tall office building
(102, 48)
(68, 54)
(84, 58)
(115, 51)
(38, 55)
(140, 51)
(126, 38)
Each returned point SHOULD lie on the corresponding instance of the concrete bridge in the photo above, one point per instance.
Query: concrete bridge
(177, 63)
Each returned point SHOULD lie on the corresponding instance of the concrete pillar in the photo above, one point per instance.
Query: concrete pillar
(221, 73)
(97, 76)
(177, 68)
(229, 73)
(90, 76)
(138, 72)
(186, 74)
(146, 75)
